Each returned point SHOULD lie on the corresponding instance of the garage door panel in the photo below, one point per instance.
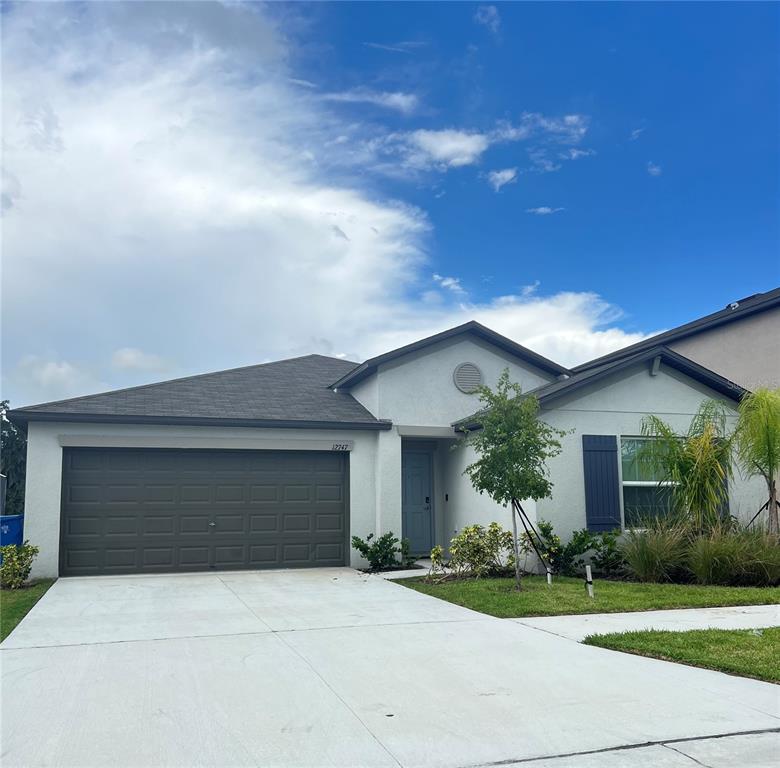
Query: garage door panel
(159, 510)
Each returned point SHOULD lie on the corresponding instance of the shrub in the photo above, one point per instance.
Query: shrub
(16, 565)
(569, 559)
(732, 556)
(479, 551)
(382, 553)
(657, 553)
(607, 557)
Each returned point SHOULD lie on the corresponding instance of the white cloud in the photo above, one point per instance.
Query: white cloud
(488, 16)
(396, 100)
(195, 228)
(635, 134)
(442, 149)
(498, 179)
(544, 210)
(43, 379)
(653, 169)
(450, 283)
(449, 147)
(575, 154)
(132, 359)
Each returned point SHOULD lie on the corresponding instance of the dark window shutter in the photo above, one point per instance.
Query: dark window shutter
(602, 482)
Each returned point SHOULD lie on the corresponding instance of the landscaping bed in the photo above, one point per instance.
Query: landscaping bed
(746, 652)
(497, 596)
(15, 604)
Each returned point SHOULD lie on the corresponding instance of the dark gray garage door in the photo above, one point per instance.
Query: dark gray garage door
(148, 510)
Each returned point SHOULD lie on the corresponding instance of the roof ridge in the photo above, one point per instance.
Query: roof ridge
(175, 380)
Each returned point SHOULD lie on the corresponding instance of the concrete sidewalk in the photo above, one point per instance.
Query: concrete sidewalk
(680, 620)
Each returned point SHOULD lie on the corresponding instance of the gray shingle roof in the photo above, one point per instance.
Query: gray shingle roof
(293, 392)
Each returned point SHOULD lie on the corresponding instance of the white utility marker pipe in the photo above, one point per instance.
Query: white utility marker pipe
(589, 581)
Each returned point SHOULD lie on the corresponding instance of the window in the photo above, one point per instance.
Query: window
(644, 495)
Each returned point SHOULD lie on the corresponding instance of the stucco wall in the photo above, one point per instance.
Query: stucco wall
(418, 389)
(617, 408)
(746, 351)
(465, 506)
(44, 469)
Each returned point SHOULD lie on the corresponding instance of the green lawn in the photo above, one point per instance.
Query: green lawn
(16, 603)
(498, 597)
(746, 652)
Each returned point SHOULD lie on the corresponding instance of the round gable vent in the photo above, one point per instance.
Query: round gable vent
(467, 377)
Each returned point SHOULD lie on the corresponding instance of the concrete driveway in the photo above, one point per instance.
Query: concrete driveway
(334, 668)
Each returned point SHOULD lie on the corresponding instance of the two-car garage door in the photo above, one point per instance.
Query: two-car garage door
(158, 510)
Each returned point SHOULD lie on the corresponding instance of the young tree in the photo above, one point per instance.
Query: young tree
(694, 467)
(13, 459)
(758, 443)
(513, 446)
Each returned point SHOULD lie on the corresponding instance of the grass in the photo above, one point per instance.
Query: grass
(746, 652)
(15, 604)
(497, 597)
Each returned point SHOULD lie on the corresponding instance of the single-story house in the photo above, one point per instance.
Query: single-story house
(278, 465)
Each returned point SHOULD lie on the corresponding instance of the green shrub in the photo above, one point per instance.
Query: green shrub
(381, 554)
(569, 559)
(16, 565)
(562, 558)
(730, 556)
(607, 558)
(656, 553)
(479, 551)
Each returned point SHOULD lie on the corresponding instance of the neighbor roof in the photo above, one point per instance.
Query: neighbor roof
(737, 310)
(474, 328)
(548, 393)
(288, 393)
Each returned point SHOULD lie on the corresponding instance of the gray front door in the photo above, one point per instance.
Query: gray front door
(417, 501)
(142, 510)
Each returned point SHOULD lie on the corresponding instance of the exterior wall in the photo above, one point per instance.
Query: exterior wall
(418, 389)
(617, 408)
(44, 469)
(465, 505)
(745, 351)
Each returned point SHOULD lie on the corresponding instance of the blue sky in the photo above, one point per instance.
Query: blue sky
(188, 187)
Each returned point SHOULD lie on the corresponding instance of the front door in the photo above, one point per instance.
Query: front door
(417, 502)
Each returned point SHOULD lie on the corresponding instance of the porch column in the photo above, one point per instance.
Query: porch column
(388, 485)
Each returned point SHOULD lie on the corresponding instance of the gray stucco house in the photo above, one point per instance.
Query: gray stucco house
(277, 465)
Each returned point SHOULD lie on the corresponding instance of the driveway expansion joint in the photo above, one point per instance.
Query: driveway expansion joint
(623, 748)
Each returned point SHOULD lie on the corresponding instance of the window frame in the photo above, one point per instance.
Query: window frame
(634, 483)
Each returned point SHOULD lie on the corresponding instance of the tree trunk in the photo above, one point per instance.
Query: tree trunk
(518, 582)
(773, 522)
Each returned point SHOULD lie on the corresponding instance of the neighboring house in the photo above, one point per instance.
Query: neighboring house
(740, 342)
(277, 465)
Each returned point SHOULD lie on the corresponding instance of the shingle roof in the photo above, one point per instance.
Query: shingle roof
(293, 392)
(547, 393)
(758, 302)
(472, 327)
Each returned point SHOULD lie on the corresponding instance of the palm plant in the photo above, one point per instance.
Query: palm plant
(758, 443)
(695, 467)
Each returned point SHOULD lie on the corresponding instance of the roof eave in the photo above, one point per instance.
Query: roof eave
(368, 367)
(22, 417)
(677, 361)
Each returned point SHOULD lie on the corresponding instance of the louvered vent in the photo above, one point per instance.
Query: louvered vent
(467, 377)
